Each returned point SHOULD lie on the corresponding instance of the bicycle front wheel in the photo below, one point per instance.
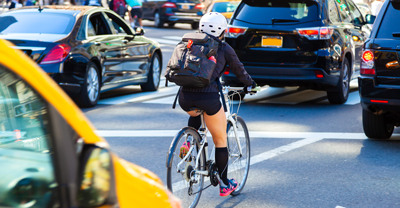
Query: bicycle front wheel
(181, 177)
(239, 163)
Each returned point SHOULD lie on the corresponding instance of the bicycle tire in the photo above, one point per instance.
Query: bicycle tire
(176, 181)
(239, 166)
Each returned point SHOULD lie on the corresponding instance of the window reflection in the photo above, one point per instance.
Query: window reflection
(25, 154)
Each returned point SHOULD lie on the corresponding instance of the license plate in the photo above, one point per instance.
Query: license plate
(272, 41)
(185, 6)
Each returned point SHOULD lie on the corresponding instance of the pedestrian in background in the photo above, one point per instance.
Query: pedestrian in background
(376, 7)
(136, 10)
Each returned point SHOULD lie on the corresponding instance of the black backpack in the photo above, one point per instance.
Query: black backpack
(193, 61)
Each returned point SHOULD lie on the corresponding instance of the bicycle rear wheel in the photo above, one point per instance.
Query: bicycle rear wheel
(238, 164)
(179, 178)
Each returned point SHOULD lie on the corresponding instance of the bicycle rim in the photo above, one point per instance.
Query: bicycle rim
(238, 164)
(176, 180)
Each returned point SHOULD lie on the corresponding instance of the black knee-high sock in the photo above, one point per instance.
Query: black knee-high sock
(194, 122)
(221, 160)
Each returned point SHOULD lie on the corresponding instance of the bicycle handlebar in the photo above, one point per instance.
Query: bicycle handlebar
(240, 89)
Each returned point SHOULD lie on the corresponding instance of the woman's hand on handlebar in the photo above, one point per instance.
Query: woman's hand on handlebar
(249, 89)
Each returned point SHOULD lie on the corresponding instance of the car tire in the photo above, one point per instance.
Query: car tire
(195, 25)
(153, 77)
(376, 126)
(340, 95)
(158, 22)
(90, 93)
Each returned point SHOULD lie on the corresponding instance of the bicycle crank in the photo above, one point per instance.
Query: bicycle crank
(213, 173)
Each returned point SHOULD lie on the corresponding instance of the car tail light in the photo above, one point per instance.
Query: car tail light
(227, 70)
(379, 101)
(316, 33)
(57, 54)
(199, 6)
(168, 5)
(367, 63)
(319, 74)
(234, 32)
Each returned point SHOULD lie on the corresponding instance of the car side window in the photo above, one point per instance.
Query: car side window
(90, 29)
(358, 19)
(25, 145)
(333, 12)
(99, 24)
(344, 12)
(119, 26)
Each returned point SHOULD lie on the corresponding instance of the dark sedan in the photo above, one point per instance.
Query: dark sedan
(86, 50)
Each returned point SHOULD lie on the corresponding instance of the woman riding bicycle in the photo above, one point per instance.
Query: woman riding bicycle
(207, 98)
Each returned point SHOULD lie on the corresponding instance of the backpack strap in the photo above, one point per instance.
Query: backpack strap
(222, 95)
(176, 98)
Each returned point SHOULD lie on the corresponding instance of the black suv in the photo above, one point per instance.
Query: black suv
(173, 11)
(379, 80)
(315, 44)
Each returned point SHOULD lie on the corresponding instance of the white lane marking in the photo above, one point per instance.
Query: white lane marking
(262, 157)
(165, 41)
(339, 207)
(137, 97)
(297, 97)
(167, 100)
(253, 134)
(178, 38)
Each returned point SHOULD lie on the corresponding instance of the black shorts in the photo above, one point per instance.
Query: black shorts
(136, 12)
(209, 106)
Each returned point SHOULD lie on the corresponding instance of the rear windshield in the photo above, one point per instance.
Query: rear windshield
(225, 7)
(388, 24)
(283, 12)
(45, 23)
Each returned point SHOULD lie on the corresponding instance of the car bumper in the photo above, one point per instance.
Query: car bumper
(378, 98)
(71, 84)
(286, 76)
(183, 18)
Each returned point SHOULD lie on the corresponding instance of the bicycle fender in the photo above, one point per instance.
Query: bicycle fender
(174, 143)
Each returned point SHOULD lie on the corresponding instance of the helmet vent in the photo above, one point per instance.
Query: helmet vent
(213, 31)
(210, 25)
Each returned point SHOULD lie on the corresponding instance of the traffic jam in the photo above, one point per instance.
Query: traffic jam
(152, 103)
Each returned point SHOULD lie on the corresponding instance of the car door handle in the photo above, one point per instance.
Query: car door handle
(125, 41)
(97, 43)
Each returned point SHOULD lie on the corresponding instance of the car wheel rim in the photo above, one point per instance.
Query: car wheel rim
(157, 19)
(345, 80)
(92, 83)
(156, 71)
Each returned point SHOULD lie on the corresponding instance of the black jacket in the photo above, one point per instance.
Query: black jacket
(226, 55)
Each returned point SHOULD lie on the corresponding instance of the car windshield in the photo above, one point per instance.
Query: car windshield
(225, 7)
(263, 12)
(44, 23)
(388, 27)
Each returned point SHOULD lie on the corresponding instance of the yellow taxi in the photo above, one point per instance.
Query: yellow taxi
(49, 153)
(225, 7)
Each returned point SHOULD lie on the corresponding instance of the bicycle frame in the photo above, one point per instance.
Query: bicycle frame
(203, 133)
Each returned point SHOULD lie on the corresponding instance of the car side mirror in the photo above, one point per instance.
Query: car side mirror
(370, 18)
(96, 178)
(139, 31)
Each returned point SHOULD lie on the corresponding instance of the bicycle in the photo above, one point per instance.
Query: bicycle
(185, 177)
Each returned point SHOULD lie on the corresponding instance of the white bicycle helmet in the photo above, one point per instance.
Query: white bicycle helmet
(213, 23)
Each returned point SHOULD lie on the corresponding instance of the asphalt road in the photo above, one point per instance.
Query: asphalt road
(305, 152)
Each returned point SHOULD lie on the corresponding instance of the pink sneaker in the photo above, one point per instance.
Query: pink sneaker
(184, 149)
(226, 191)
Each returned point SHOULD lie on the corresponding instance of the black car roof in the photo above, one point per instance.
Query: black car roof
(72, 10)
